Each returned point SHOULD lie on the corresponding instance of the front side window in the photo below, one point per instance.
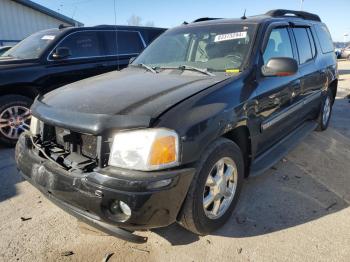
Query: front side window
(278, 45)
(82, 44)
(33, 46)
(215, 48)
(303, 44)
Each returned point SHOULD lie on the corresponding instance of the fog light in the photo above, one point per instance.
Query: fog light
(125, 208)
(120, 211)
(114, 208)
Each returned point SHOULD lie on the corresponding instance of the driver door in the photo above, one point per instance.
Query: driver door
(276, 95)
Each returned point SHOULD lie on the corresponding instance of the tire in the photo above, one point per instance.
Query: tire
(20, 121)
(325, 111)
(194, 216)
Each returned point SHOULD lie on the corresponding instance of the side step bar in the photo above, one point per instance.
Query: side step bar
(282, 148)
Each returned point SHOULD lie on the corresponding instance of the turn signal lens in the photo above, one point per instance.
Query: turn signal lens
(163, 151)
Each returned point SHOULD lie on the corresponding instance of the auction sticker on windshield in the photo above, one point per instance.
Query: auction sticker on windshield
(230, 36)
(48, 37)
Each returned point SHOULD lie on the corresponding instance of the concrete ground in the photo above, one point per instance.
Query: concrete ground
(297, 211)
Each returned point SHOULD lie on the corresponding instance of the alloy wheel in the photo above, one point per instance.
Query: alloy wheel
(220, 188)
(14, 120)
(326, 111)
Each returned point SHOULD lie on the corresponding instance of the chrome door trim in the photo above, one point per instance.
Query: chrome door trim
(290, 110)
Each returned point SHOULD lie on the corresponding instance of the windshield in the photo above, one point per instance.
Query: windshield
(215, 48)
(32, 46)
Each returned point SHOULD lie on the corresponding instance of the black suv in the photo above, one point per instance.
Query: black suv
(171, 137)
(52, 58)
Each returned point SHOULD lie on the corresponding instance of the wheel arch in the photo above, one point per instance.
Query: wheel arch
(28, 91)
(241, 136)
(333, 86)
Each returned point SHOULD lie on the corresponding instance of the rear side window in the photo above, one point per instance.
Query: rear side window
(128, 42)
(303, 43)
(83, 44)
(279, 45)
(325, 38)
(312, 42)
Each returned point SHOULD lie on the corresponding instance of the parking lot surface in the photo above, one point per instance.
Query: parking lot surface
(297, 211)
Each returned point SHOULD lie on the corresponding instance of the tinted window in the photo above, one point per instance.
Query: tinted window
(83, 44)
(312, 42)
(325, 38)
(128, 42)
(279, 45)
(215, 48)
(303, 43)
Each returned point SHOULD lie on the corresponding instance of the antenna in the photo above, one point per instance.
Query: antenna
(244, 17)
(116, 32)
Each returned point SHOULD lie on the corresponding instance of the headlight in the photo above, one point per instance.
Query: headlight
(145, 149)
(34, 126)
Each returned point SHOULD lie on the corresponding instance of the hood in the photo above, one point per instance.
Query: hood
(132, 91)
(11, 62)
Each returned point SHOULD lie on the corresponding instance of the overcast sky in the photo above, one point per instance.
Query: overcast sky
(169, 13)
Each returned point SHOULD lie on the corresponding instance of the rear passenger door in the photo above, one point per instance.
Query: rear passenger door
(309, 91)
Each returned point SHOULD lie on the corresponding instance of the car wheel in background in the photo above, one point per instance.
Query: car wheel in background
(14, 118)
(215, 188)
(326, 111)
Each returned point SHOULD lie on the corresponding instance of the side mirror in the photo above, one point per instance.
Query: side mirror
(280, 66)
(132, 59)
(61, 53)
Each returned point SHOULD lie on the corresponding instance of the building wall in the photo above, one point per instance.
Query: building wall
(18, 21)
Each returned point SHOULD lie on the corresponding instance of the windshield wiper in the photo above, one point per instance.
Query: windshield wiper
(149, 68)
(203, 71)
(192, 68)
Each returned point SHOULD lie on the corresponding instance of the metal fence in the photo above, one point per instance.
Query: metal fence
(8, 42)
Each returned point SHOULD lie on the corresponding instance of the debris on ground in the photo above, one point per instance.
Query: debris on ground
(239, 250)
(67, 253)
(285, 177)
(107, 257)
(330, 206)
(284, 160)
(241, 219)
(208, 241)
(298, 177)
(141, 250)
(274, 168)
(25, 218)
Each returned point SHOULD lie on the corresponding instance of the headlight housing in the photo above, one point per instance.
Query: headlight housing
(145, 149)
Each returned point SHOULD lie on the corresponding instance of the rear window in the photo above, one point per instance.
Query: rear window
(325, 38)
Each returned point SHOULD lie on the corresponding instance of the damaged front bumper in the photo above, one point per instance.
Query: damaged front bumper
(154, 198)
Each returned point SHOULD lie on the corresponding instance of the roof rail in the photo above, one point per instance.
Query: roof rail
(300, 14)
(202, 19)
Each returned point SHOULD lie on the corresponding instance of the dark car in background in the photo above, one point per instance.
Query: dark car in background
(52, 58)
(4, 49)
(345, 53)
(171, 137)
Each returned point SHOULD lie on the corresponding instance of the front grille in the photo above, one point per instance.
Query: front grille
(84, 144)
